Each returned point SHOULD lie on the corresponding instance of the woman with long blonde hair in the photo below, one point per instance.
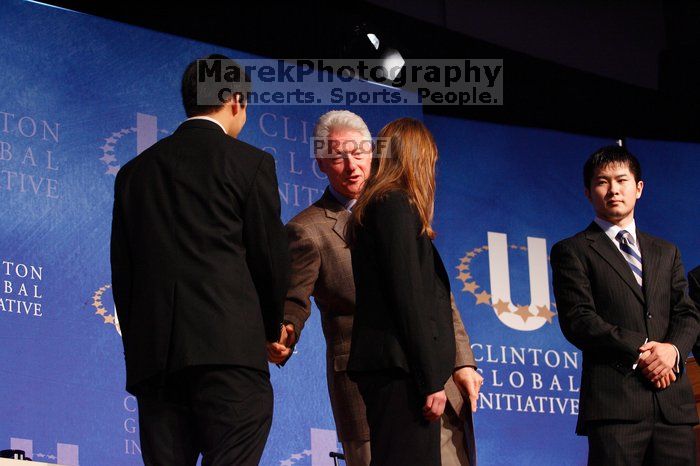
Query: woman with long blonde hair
(403, 344)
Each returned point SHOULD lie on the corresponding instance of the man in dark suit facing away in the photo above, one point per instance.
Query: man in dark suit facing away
(621, 296)
(199, 272)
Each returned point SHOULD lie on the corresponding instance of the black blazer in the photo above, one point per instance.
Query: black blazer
(199, 255)
(604, 312)
(694, 287)
(403, 317)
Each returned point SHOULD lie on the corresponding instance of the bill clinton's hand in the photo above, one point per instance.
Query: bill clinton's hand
(279, 351)
(469, 382)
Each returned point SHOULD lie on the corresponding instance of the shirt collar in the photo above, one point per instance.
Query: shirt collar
(203, 117)
(612, 230)
(344, 201)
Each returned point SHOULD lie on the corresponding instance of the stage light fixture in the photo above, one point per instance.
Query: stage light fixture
(375, 46)
(374, 40)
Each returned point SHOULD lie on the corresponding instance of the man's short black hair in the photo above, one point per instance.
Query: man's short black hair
(607, 155)
(238, 84)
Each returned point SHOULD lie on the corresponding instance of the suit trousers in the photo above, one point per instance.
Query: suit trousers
(648, 442)
(453, 444)
(399, 434)
(357, 452)
(222, 412)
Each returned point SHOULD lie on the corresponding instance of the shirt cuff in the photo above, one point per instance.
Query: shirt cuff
(677, 367)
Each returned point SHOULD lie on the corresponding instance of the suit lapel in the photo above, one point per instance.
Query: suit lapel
(650, 262)
(337, 212)
(341, 222)
(609, 252)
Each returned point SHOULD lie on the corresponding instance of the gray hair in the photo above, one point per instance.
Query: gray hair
(340, 119)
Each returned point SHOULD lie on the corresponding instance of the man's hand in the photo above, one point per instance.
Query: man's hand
(469, 382)
(434, 405)
(291, 335)
(666, 381)
(278, 352)
(657, 360)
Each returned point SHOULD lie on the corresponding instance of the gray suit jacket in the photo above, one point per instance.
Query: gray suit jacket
(322, 268)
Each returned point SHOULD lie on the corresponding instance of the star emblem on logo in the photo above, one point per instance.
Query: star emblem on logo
(107, 318)
(294, 458)
(110, 143)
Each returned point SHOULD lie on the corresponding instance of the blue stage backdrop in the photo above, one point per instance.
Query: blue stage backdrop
(505, 196)
(82, 95)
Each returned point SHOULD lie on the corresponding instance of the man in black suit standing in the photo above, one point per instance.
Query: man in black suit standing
(621, 296)
(199, 273)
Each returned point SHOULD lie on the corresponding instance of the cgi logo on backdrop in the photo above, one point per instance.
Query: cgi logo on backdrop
(537, 380)
(146, 132)
(66, 453)
(527, 317)
(101, 296)
(300, 180)
(323, 442)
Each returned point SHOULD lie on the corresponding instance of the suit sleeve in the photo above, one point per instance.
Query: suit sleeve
(578, 318)
(694, 288)
(396, 235)
(120, 259)
(463, 357)
(305, 266)
(463, 353)
(265, 241)
(683, 323)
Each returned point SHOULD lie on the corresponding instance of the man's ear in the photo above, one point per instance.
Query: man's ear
(237, 103)
(321, 164)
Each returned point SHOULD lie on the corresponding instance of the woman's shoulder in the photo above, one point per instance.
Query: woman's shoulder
(393, 207)
(395, 198)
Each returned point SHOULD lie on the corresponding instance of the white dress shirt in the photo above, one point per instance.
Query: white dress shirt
(204, 117)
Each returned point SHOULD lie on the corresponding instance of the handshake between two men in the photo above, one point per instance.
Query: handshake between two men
(279, 351)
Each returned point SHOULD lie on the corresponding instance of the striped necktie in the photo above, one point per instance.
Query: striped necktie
(631, 254)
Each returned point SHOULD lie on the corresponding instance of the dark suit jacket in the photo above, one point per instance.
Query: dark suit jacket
(604, 312)
(403, 317)
(199, 255)
(322, 268)
(694, 287)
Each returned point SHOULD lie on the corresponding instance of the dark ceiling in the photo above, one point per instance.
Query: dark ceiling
(542, 92)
